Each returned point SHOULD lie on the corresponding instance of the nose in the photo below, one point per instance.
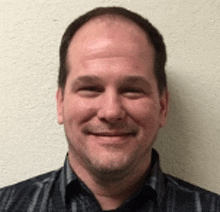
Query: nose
(111, 109)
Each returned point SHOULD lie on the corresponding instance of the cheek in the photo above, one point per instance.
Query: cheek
(77, 111)
(145, 113)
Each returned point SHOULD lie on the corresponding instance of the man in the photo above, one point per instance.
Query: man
(112, 100)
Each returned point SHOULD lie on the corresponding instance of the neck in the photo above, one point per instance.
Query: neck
(111, 193)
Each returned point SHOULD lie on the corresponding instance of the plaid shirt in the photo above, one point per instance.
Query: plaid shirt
(61, 190)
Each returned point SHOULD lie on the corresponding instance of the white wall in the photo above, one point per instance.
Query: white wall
(32, 142)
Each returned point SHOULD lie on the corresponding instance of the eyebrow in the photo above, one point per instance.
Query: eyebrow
(138, 80)
(85, 80)
(127, 80)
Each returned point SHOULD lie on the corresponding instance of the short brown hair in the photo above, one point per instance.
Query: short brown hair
(153, 34)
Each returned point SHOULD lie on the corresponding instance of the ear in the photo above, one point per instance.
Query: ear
(164, 102)
(59, 99)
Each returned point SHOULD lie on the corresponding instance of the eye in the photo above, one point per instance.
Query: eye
(90, 88)
(89, 91)
(132, 92)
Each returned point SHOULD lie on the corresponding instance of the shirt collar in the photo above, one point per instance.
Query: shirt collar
(154, 180)
(68, 177)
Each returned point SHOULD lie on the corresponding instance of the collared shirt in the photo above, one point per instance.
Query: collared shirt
(63, 191)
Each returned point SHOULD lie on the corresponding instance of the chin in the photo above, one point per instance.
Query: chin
(113, 169)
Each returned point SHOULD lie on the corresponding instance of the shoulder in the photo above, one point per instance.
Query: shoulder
(188, 194)
(24, 192)
(186, 186)
(35, 182)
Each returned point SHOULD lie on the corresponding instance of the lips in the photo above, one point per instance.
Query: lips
(110, 132)
(113, 134)
(111, 139)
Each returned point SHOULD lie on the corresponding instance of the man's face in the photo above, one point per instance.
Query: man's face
(110, 108)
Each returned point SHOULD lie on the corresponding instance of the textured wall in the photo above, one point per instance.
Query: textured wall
(31, 140)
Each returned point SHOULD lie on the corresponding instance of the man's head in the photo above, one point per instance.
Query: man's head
(110, 104)
(151, 32)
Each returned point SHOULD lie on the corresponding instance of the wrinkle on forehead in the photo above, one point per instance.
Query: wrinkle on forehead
(105, 37)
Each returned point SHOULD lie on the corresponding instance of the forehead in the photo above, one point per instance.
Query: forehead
(116, 34)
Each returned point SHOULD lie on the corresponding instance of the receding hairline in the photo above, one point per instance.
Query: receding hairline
(111, 19)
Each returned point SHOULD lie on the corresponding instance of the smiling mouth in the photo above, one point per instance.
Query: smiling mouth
(113, 134)
(116, 139)
(100, 131)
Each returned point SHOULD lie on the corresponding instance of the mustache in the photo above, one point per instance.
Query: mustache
(105, 130)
